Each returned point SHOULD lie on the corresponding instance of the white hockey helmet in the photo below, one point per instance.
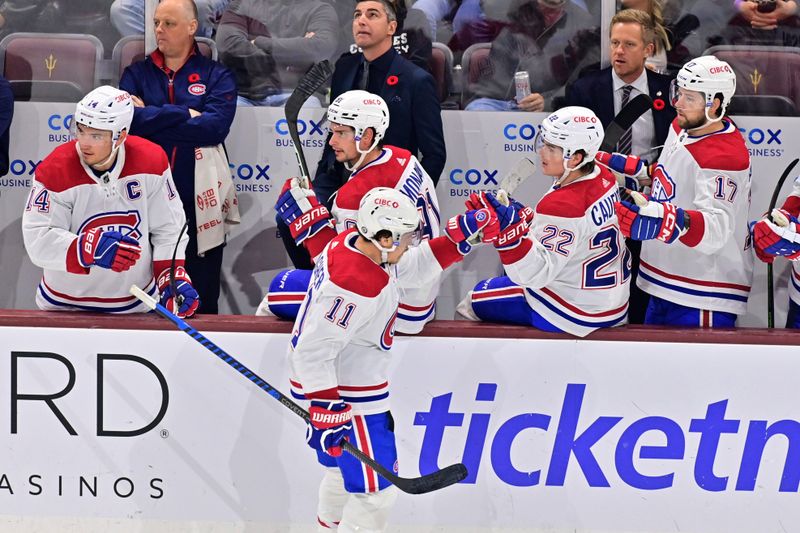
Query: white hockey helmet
(571, 128)
(385, 209)
(106, 108)
(707, 75)
(361, 110)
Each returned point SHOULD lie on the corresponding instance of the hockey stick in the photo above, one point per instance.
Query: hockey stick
(419, 485)
(770, 280)
(624, 120)
(315, 78)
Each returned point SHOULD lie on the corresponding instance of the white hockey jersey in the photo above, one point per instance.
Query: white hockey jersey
(345, 327)
(397, 168)
(792, 205)
(137, 197)
(711, 266)
(573, 264)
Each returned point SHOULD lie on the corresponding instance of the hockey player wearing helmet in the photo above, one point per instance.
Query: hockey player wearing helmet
(358, 122)
(697, 261)
(103, 214)
(567, 268)
(339, 352)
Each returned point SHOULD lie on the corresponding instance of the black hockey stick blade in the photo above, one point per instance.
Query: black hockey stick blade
(624, 120)
(419, 485)
(770, 278)
(315, 78)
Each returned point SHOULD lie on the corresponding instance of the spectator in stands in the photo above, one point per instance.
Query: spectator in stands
(550, 39)
(183, 101)
(6, 114)
(716, 16)
(28, 15)
(270, 44)
(765, 22)
(409, 91)
(128, 16)
(632, 34)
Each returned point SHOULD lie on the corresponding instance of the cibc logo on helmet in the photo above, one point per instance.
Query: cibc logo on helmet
(720, 69)
(386, 202)
(582, 119)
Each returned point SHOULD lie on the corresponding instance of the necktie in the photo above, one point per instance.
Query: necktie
(625, 142)
(364, 76)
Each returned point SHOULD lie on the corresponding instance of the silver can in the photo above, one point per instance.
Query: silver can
(522, 84)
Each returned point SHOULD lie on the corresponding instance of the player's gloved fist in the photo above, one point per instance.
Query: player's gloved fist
(299, 209)
(108, 249)
(328, 424)
(776, 237)
(471, 227)
(653, 220)
(631, 171)
(185, 300)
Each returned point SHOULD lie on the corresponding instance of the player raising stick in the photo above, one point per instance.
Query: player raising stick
(339, 351)
(103, 215)
(358, 122)
(567, 268)
(697, 264)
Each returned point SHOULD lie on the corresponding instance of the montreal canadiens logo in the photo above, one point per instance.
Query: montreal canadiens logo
(480, 216)
(197, 89)
(387, 338)
(663, 188)
(125, 222)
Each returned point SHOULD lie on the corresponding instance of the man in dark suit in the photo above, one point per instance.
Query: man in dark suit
(606, 91)
(409, 91)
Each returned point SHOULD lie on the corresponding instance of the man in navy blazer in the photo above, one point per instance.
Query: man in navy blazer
(409, 91)
(632, 38)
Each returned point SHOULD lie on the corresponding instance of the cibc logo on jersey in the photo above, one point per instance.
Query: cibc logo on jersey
(126, 222)
(663, 188)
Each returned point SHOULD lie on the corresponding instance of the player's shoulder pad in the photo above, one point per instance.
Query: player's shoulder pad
(61, 169)
(575, 199)
(353, 271)
(725, 150)
(143, 157)
(385, 171)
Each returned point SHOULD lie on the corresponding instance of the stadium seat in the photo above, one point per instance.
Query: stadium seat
(441, 66)
(763, 70)
(51, 66)
(762, 105)
(474, 65)
(130, 49)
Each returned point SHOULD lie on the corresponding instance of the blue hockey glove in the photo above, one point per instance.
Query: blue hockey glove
(299, 209)
(461, 228)
(108, 249)
(654, 220)
(185, 303)
(631, 170)
(329, 423)
(776, 237)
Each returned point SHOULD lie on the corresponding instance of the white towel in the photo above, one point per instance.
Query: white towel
(212, 182)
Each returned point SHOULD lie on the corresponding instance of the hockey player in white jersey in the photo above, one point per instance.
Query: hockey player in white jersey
(776, 235)
(697, 264)
(339, 351)
(102, 215)
(567, 267)
(358, 121)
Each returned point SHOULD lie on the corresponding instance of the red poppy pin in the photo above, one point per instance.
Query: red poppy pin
(658, 104)
(194, 77)
(392, 80)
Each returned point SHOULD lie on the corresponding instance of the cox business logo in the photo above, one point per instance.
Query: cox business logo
(481, 178)
(315, 131)
(58, 126)
(763, 142)
(714, 432)
(251, 177)
(519, 137)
